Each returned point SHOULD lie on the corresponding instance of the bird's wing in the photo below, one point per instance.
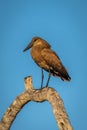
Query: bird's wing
(55, 64)
(51, 58)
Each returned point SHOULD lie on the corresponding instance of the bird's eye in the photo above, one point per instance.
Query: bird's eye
(35, 40)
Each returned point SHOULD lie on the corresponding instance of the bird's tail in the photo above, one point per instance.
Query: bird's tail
(64, 74)
(66, 77)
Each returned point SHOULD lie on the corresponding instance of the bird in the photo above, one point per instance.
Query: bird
(47, 59)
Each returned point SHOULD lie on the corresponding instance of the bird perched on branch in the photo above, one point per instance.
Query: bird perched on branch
(47, 59)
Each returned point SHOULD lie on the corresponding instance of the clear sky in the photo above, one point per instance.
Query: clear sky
(64, 25)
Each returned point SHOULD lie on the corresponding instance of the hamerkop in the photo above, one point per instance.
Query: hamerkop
(47, 59)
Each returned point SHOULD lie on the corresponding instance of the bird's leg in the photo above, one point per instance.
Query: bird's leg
(49, 75)
(42, 78)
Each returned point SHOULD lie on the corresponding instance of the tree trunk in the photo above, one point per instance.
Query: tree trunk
(40, 95)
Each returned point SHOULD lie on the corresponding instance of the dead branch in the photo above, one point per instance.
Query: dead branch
(41, 95)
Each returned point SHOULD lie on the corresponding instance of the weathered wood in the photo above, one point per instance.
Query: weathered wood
(41, 95)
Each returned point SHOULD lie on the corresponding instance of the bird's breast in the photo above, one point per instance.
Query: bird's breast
(36, 55)
(38, 58)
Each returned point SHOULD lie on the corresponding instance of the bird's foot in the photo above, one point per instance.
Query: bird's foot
(46, 86)
(43, 87)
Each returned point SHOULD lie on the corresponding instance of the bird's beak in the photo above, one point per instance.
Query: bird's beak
(29, 46)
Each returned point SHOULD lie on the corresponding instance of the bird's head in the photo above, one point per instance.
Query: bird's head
(36, 41)
(33, 41)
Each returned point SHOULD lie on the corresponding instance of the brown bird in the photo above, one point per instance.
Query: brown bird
(47, 59)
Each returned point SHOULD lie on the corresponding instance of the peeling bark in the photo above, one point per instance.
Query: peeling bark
(37, 95)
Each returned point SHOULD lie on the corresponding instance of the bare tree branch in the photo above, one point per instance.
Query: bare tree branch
(41, 95)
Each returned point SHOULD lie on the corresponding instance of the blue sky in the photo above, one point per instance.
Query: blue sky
(64, 25)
